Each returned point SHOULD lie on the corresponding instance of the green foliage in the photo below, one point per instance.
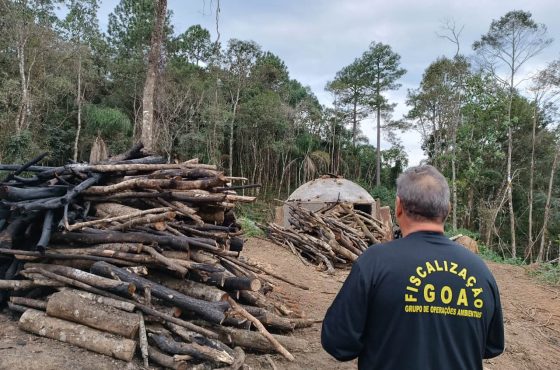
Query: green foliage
(18, 148)
(385, 195)
(548, 273)
(260, 211)
(491, 255)
(105, 121)
(249, 227)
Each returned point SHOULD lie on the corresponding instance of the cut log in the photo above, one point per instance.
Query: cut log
(176, 242)
(115, 210)
(39, 323)
(242, 283)
(13, 194)
(142, 183)
(255, 341)
(121, 305)
(165, 360)
(126, 217)
(47, 230)
(277, 345)
(144, 220)
(193, 337)
(212, 311)
(27, 284)
(120, 287)
(69, 306)
(147, 310)
(167, 344)
(143, 339)
(194, 289)
(29, 302)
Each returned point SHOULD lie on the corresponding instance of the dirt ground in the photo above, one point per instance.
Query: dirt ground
(532, 321)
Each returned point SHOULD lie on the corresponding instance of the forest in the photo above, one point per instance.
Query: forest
(492, 130)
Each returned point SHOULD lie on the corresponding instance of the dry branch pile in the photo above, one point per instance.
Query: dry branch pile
(136, 252)
(329, 237)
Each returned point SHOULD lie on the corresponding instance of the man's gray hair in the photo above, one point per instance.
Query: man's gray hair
(424, 193)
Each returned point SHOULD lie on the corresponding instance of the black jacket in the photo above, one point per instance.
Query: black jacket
(421, 302)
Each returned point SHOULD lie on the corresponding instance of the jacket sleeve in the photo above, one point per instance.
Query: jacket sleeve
(344, 323)
(495, 336)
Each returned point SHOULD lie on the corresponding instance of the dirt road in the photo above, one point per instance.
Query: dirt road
(532, 313)
(532, 321)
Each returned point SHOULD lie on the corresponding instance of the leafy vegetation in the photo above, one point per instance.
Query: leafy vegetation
(233, 104)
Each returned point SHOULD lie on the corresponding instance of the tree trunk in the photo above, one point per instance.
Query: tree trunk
(509, 175)
(378, 156)
(79, 104)
(454, 185)
(354, 123)
(231, 132)
(547, 206)
(151, 76)
(24, 109)
(529, 248)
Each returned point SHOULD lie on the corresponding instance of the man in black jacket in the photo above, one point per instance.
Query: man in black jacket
(420, 302)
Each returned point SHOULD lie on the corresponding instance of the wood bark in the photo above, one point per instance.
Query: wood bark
(29, 302)
(72, 307)
(255, 341)
(277, 345)
(165, 360)
(212, 311)
(143, 339)
(16, 194)
(147, 310)
(121, 305)
(540, 255)
(195, 290)
(156, 184)
(167, 344)
(126, 217)
(27, 284)
(120, 287)
(148, 134)
(39, 323)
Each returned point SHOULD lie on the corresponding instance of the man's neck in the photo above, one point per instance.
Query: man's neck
(422, 226)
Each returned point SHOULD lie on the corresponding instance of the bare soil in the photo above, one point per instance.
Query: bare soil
(532, 322)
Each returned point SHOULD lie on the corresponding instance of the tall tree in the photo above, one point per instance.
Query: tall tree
(545, 90)
(239, 59)
(82, 30)
(154, 57)
(509, 43)
(436, 113)
(350, 86)
(25, 22)
(382, 66)
(194, 45)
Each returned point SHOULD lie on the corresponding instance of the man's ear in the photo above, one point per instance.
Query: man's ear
(398, 207)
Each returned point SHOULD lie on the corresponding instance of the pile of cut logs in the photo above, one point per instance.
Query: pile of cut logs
(330, 237)
(135, 252)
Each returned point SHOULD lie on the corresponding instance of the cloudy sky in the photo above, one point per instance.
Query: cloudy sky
(316, 38)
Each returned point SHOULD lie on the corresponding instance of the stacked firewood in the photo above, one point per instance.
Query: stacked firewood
(330, 237)
(136, 251)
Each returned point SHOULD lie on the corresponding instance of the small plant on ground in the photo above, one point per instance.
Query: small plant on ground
(249, 227)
